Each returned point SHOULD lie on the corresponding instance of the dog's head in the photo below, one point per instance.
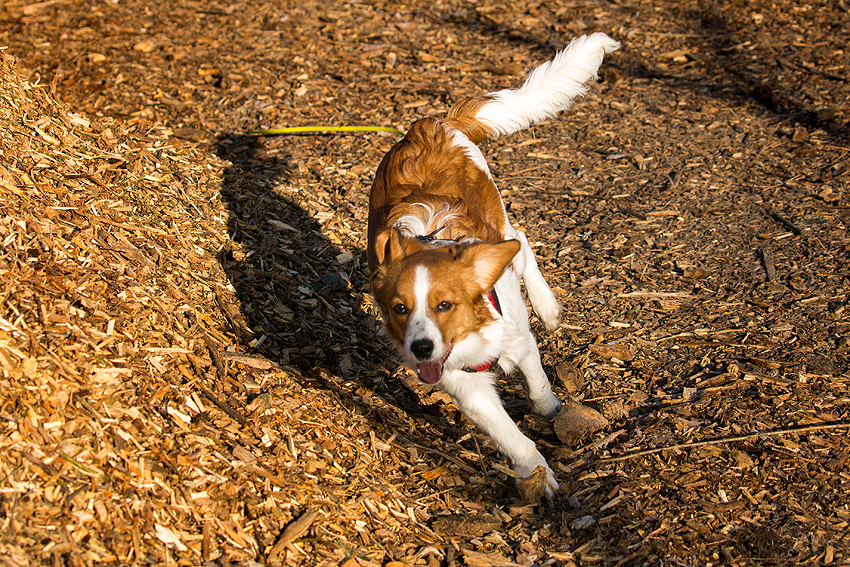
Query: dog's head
(432, 299)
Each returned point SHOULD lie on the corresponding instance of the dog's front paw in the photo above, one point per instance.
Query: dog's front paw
(525, 470)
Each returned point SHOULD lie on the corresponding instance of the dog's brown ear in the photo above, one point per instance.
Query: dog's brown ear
(391, 245)
(388, 245)
(488, 260)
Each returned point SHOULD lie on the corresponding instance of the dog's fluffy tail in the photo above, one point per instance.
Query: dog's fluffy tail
(548, 90)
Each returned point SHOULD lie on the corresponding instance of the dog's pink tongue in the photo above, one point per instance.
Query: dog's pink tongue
(430, 372)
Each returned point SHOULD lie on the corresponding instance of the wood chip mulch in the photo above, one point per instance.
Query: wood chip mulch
(191, 367)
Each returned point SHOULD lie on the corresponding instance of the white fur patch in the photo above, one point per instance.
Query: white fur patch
(460, 140)
(421, 326)
(432, 220)
(483, 346)
(414, 225)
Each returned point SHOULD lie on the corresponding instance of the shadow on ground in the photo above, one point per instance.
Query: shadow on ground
(295, 300)
(745, 64)
(741, 59)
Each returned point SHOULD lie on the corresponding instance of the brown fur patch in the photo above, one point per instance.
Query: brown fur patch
(427, 166)
(461, 117)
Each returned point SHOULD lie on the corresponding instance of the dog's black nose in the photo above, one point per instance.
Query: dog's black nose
(422, 348)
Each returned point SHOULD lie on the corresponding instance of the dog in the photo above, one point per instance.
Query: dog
(446, 263)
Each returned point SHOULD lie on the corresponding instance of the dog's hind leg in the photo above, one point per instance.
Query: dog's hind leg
(540, 397)
(543, 300)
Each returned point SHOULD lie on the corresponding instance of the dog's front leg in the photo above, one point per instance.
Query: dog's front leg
(476, 396)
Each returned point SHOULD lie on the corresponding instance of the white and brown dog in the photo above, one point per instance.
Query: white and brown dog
(447, 263)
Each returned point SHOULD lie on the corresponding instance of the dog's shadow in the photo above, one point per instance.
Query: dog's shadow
(301, 299)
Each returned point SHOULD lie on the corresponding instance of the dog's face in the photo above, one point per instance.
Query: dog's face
(432, 299)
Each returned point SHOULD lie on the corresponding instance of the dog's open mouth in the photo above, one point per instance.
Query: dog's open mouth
(431, 372)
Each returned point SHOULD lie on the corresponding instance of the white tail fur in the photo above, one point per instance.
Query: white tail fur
(549, 89)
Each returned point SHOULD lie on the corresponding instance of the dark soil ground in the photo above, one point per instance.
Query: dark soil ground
(191, 369)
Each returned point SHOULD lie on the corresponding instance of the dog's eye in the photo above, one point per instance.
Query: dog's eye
(444, 306)
(400, 309)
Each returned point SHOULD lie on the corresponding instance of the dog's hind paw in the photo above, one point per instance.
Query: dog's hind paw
(548, 409)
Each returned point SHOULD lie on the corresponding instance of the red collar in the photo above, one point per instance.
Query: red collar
(493, 364)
